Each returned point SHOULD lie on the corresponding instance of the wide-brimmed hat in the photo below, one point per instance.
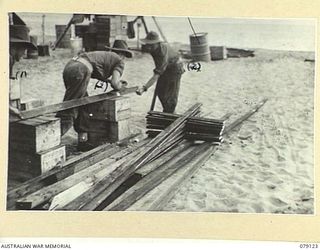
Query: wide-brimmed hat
(151, 38)
(20, 34)
(120, 46)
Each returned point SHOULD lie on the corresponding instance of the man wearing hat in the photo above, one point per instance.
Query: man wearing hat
(167, 72)
(19, 42)
(106, 66)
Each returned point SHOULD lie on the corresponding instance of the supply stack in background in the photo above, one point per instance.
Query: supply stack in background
(102, 31)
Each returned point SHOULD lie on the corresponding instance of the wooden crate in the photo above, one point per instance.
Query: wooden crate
(36, 163)
(118, 108)
(31, 104)
(218, 52)
(35, 135)
(119, 130)
(115, 109)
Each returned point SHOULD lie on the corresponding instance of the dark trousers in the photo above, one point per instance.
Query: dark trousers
(168, 87)
(76, 77)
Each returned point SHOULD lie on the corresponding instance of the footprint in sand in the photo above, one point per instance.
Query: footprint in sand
(285, 172)
(258, 208)
(277, 202)
(196, 205)
(281, 158)
(275, 180)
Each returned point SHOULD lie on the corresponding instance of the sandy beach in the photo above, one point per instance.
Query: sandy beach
(264, 166)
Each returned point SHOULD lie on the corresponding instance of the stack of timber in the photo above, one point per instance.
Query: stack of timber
(159, 186)
(114, 178)
(89, 188)
(197, 128)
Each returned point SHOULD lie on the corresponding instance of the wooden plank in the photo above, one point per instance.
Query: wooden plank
(169, 157)
(195, 119)
(245, 116)
(155, 177)
(45, 194)
(163, 193)
(193, 166)
(81, 201)
(148, 168)
(65, 197)
(71, 104)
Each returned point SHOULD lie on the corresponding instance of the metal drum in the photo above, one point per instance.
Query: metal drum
(199, 47)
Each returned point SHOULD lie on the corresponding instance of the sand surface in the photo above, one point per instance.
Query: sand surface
(265, 165)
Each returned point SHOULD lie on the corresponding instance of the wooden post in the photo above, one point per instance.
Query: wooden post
(160, 30)
(43, 28)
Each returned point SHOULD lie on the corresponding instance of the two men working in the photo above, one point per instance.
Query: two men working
(108, 66)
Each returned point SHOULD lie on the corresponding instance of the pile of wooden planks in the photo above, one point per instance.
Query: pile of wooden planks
(116, 178)
(89, 187)
(197, 128)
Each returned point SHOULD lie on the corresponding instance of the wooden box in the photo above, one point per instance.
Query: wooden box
(218, 52)
(115, 109)
(35, 135)
(31, 104)
(119, 130)
(14, 89)
(36, 163)
(118, 108)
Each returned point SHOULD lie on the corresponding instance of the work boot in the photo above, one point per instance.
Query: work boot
(83, 144)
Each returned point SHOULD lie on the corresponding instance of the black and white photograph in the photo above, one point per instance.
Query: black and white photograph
(161, 113)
